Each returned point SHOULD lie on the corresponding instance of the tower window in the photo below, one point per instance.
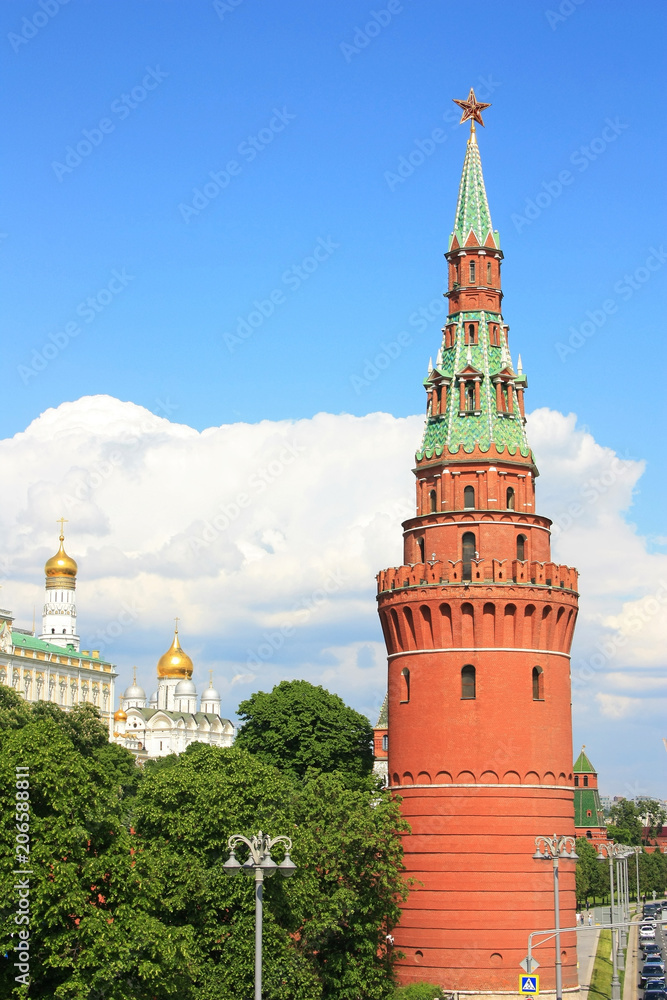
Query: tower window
(470, 397)
(576, 781)
(420, 544)
(538, 684)
(472, 272)
(471, 336)
(432, 500)
(585, 781)
(469, 498)
(488, 273)
(510, 498)
(385, 742)
(457, 276)
(589, 834)
(468, 554)
(405, 685)
(521, 547)
(468, 682)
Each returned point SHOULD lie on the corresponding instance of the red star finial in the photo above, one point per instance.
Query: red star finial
(471, 108)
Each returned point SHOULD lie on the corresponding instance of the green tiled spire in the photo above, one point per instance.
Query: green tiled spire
(472, 209)
(582, 764)
(493, 429)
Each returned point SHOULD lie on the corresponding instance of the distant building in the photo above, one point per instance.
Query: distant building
(589, 819)
(169, 722)
(52, 667)
(381, 743)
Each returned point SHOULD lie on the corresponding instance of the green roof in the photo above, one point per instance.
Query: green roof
(490, 431)
(472, 208)
(21, 640)
(452, 432)
(383, 718)
(582, 764)
(588, 800)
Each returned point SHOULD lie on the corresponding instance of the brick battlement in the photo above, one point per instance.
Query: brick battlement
(483, 571)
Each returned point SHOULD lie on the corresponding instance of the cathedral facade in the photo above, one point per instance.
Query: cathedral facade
(169, 721)
(51, 666)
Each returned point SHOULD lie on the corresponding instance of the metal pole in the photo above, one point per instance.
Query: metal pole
(259, 885)
(615, 983)
(559, 971)
(637, 893)
(620, 874)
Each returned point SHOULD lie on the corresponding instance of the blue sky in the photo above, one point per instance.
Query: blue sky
(305, 113)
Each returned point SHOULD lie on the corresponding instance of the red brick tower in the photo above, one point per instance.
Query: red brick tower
(478, 625)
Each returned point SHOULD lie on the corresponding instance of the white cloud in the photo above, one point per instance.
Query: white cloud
(266, 538)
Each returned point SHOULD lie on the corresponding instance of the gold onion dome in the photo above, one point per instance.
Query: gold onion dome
(175, 663)
(61, 564)
(119, 716)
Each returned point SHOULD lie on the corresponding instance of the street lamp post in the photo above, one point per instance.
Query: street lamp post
(608, 852)
(555, 848)
(262, 865)
(637, 851)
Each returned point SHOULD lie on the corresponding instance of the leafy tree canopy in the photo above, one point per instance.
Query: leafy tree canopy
(129, 898)
(625, 826)
(299, 726)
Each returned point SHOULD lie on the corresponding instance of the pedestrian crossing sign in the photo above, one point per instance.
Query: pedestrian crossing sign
(529, 985)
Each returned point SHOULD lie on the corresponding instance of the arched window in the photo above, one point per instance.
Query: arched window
(468, 682)
(385, 742)
(538, 684)
(488, 272)
(468, 554)
(420, 545)
(510, 498)
(469, 497)
(585, 781)
(457, 277)
(472, 272)
(589, 834)
(472, 334)
(53, 631)
(432, 501)
(521, 547)
(576, 781)
(470, 397)
(405, 685)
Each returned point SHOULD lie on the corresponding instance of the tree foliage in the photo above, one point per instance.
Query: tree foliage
(625, 826)
(129, 897)
(298, 726)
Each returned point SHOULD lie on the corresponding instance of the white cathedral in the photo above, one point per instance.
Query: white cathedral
(51, 667)
(170, 722)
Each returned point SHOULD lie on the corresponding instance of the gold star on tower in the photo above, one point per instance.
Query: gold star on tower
(472, 109)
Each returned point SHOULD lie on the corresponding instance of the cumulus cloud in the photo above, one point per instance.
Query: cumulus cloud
(265, 539)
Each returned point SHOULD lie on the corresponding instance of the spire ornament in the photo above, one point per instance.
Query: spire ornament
(472, 109)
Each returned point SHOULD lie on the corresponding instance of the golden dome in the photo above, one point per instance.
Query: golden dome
(175, 663)
(119, 716)
(61, 564)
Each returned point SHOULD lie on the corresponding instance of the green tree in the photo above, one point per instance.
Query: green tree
(655, 816)
(592, 876)
(90, 933)
(298, 726)
(625, 826)
(324, 931)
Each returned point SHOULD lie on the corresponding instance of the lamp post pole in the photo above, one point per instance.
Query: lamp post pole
(608, 852)
(637, 851)
(553, 849)
(262, 865)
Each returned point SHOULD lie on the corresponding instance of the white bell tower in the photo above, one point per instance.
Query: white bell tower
(59, 615)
